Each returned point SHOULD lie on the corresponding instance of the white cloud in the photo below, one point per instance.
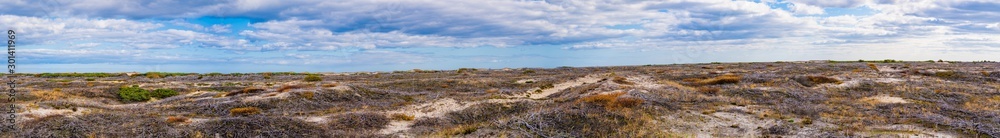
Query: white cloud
(806, 9)
(312, 25)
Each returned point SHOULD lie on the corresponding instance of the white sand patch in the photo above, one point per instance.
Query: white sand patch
(885, 99)
(644, 81)
(39, 113)
(523, 81)
(341, 88)
(887, 80)
(262, 96)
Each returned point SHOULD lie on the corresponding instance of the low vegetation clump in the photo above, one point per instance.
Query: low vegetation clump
(946, 74)
(612, 100)
(177, 119)
(810, 81)
(313, 78)
(133, 94)
(244, 111)
(307, 95)
(286, 88)
(622, 80)
(873, 67)
(401, 116)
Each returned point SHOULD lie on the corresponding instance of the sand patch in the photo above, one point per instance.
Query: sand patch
(884, 99)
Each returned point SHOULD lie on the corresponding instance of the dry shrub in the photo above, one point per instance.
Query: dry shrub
(622, 80)
(821, 79)
(358, 121)
(708, 90)
(946, 74)
(261, 126)
(245, 90)
(983, 103)
(55, 94)
(810, 81)
(307, 95)
(330, 85)
(244, 111)
(288, 87)
(458, 130)
(493, 90)
(401, 116)
(612, 100)
(723, 79)
(873, 67)
(177, 119)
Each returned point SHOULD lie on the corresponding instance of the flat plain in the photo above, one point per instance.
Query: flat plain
(762, 99)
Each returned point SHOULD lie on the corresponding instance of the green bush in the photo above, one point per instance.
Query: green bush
(133, 94)
(313, 78)
(163, 93)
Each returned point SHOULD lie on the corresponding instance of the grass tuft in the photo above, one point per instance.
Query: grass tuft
(244, 111)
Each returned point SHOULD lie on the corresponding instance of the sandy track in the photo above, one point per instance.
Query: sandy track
(594, 78)
(441, 107)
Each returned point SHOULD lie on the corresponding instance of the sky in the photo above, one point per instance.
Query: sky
(388, 35)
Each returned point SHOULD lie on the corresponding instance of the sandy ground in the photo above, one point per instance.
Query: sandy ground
(441, 107)
(885, 99)
(593, 78)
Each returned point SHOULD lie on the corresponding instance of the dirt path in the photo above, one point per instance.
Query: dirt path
(431, 110)
(441, 107)
(593, 78)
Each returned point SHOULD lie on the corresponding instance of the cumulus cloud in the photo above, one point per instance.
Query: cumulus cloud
(806, 9)
(373, 26)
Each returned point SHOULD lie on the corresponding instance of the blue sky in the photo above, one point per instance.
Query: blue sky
(387, 35)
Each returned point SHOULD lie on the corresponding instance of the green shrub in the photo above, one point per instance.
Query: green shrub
(133, 94)
(313, 78)
(153, 75)
(163, 93)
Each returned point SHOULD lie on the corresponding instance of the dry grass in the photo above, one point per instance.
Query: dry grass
(307, 95)
(722, 79)
(810, 81)
(244, 111)
(177, 119)
(286, 88)
(401, 116)
(328, 85)
(708, 90)
(55, 94)
(983, 103)
(873, 67)
(622, 80)
(244, 91)
(493, 90)
(458, 130)
(612, 101)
